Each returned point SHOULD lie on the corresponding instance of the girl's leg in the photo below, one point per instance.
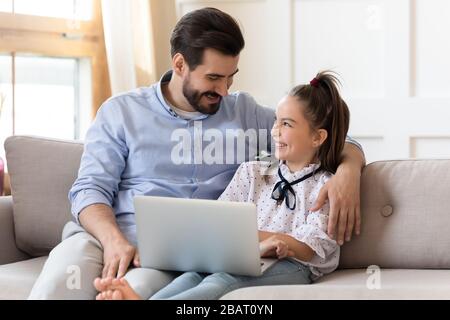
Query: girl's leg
(211, 286)
(180, 284)
(214, 286)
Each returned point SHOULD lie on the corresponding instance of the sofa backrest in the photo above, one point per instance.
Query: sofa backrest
(405, 205)
(42, 172)
(405, 209)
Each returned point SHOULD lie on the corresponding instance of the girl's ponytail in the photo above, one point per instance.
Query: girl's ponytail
(325, 109)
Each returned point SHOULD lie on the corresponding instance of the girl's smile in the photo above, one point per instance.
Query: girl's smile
(295, 141)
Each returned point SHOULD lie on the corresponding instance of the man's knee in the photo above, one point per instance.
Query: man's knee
(70, 269)
(77, 247)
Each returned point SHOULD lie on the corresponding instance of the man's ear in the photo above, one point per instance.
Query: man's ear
(320, 137)
(178, 64)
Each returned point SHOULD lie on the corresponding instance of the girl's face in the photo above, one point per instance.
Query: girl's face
(295, 141)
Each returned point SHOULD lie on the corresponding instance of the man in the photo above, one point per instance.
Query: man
(150, 141)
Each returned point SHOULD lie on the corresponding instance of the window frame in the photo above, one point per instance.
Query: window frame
(54, 37)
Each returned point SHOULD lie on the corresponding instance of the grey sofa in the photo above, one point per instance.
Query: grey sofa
(405, 212)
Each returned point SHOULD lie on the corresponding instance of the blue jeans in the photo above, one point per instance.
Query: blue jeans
(202, 286)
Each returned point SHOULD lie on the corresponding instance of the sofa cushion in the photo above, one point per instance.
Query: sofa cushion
(42, 172)
(405, 216)
(8, 248)
(403, 205)
(351, 284)
(17, 279)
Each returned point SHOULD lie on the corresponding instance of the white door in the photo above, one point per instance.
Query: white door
(392, 56)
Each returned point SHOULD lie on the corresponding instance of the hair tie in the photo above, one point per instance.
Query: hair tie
(314, 82)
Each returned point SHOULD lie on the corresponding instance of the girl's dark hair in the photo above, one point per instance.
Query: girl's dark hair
(325, 109)
(206, 28)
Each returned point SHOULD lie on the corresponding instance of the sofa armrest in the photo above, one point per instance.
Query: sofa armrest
(8, 249)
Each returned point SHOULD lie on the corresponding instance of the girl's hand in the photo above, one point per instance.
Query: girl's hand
(274, 247)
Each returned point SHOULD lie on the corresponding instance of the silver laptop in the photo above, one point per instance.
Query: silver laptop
(198, 235)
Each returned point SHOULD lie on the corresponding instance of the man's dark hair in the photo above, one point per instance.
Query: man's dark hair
(206, 28)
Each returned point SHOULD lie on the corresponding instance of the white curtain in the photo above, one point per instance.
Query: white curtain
(129, 43)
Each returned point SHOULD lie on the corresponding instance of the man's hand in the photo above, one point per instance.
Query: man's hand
(345, 215)
(274, 247)
(117, 257)
(343, 192)
(99, 220)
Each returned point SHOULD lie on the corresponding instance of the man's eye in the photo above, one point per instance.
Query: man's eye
(213, 78)
(286, 124)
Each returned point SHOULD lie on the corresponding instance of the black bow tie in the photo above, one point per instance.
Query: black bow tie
(283, 188)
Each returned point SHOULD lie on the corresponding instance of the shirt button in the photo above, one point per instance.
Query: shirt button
(386, 211)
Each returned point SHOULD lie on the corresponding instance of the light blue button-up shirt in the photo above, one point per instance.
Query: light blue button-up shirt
(138, 145)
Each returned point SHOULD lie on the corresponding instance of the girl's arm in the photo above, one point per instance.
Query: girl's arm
(299, 249)
(309, 240)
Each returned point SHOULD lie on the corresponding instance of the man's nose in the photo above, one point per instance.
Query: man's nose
(222, 89)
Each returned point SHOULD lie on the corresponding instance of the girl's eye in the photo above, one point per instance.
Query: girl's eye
(286, 124)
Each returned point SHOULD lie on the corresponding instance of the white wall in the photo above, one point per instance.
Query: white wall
(392, 57)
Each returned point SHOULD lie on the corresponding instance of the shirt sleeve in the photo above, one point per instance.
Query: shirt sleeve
(262, 117)
(238, 189)
(265, 118)
(102, 162)
(314, 233)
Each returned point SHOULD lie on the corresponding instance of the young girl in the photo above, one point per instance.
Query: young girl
(309, 133)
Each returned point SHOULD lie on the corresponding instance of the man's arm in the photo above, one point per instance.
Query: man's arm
(343, 191)
(100, 221)
(93, 193)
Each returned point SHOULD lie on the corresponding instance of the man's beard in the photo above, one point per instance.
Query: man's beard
(194, 96)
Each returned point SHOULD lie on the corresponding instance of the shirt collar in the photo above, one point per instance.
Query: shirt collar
(165, 79)
(291, 176)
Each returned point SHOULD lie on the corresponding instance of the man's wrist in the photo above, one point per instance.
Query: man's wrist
(352, 163)
(349, 168)
(112, 238)
(352, 158)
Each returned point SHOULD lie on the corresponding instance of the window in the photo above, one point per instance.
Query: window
(66, 9)
(53, 70)
(6, 6)
(48, 96)
(6, 122)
